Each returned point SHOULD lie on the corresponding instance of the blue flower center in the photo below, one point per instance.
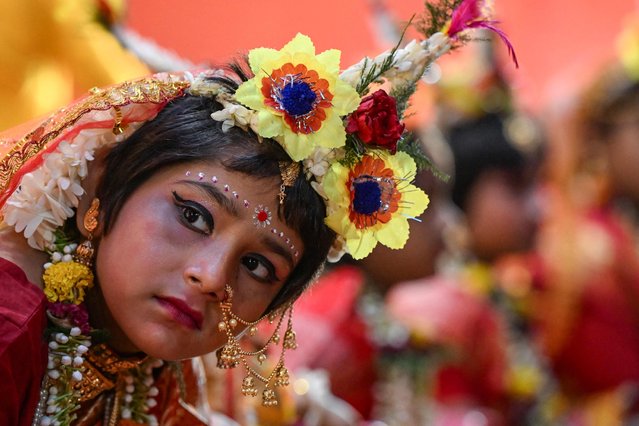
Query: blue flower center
(297, 98)
(368, 197)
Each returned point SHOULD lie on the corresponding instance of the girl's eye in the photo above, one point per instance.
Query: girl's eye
(194, 215)
(260, 268)
(195, 219)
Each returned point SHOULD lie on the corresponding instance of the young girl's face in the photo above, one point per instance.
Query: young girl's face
(499, 215)
(178, 240)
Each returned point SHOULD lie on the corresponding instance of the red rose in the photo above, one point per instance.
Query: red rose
(375, 122)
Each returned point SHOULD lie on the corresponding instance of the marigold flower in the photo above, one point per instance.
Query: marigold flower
(67, 281)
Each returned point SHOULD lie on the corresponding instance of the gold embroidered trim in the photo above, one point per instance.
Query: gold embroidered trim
(141, 91)
(108, 361)
(101, 361)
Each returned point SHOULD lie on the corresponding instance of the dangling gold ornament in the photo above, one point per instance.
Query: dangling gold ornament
(248, 386)
(231, 355)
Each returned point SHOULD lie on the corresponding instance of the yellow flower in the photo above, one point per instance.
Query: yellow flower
(298, 96)
(372, 201)
(67, 281)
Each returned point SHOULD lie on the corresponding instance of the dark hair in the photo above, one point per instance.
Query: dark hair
(481, 144)
(613, 92)
(184, 132)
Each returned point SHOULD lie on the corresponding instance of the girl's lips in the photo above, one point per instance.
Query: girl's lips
(182, 312)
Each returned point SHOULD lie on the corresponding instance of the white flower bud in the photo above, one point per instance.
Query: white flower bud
(75, 331)
(81, 349)
(78, 361)
(62, 338)
(126, 413)
(130, 388)
(153, 391)
(54, 374)
(151, 403)
(77, 376)
(47, 265)
(53, 345)
(66, 360)
(56, 257)
(67, 258)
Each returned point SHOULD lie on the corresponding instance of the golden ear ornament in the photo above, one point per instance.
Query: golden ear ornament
(85, 251)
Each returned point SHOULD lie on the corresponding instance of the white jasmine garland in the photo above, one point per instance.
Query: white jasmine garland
(140, 393)
(47, 197)
(409, 62)
(318, 163)
(337, 250)
(234, 114)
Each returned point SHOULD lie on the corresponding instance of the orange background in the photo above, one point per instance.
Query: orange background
(559, 43)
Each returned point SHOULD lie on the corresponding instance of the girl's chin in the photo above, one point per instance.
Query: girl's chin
(172, 353)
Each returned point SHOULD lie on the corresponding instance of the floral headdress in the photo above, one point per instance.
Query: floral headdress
(344, 128)
(353, 146)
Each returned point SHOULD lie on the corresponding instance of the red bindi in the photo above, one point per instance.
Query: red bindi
(262, 216)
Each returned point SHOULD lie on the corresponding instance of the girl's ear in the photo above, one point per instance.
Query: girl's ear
(90, 185)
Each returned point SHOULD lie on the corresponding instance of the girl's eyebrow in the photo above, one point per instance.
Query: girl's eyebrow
(232, 207)
(228, 204)
(277, 248)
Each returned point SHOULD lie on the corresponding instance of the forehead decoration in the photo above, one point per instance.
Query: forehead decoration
(342, 131)
(262, 215)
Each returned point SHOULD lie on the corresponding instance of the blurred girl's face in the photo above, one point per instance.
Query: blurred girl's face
(178, 240)
(500, 215)
(622, 150)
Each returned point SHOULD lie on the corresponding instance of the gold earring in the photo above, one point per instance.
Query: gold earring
(85, 251)
(231, 354)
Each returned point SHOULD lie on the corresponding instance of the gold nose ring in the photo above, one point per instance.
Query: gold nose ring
(228, 294)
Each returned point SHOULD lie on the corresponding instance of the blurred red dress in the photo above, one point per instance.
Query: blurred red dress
(22, 324)
(600, 349)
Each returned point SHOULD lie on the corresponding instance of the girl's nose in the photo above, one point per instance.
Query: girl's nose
(209, 274)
